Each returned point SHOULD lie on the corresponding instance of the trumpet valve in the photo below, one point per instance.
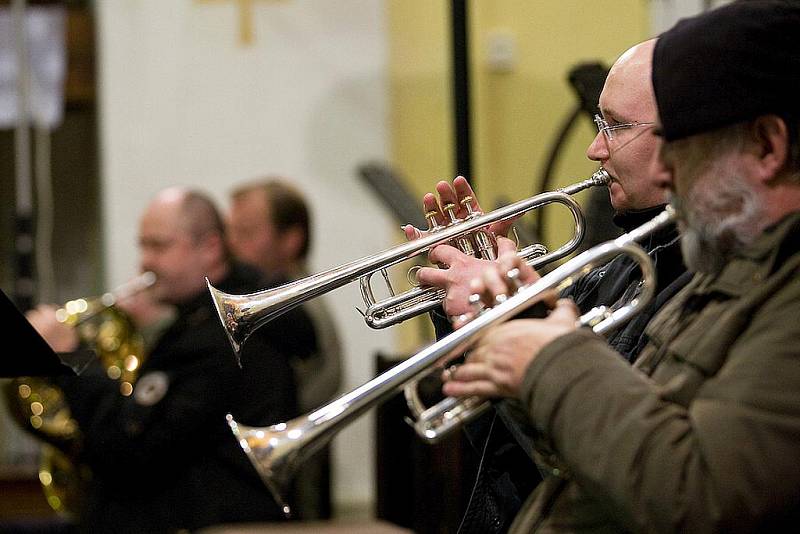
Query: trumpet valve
(513, 279)
(483, 242)
(476, 304)
(466, 203)
(450, 210)
(433, 224)
(485, 245)
(500, 298)
(462, 243)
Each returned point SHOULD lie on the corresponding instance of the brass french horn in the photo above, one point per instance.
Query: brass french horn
(39, 406)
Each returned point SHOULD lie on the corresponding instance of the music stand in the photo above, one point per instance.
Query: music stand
(34, 357)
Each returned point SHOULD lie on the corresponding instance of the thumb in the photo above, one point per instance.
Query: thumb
(565, 310)
(412, 232)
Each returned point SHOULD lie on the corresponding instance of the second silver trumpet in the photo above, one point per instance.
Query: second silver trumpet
(276, 451)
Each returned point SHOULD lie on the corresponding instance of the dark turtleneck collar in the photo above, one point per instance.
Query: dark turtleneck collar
(628, 220)
(664, 237)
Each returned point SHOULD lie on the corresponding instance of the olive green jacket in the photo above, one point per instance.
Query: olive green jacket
(704, 434)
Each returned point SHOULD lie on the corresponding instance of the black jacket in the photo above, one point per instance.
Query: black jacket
(618, 280)
(164, 458)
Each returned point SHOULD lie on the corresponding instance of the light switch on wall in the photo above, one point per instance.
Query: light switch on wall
(501, 50)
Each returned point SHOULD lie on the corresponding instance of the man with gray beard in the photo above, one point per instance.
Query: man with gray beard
(703, 433)
(726, 212)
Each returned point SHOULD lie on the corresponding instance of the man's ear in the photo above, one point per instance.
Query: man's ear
(772, 137)
(292, 240)
(213, 244)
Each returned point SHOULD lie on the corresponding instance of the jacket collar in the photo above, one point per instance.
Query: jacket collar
(757, 261)
(628, 220)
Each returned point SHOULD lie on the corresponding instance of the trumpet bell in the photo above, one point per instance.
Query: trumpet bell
(229, 308)
(241, 315)
(275, 452)
(260, 444)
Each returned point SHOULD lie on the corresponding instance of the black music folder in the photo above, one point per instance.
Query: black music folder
(26, 353)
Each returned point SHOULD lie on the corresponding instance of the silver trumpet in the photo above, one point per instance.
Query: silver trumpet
(241, 315)
(480, 243)
(276, 451)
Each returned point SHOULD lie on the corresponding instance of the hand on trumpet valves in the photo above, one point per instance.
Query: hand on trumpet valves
(456, 200)
(496, 366)
(60, 336)
(495, 282)
(461, 270)
(477, 307)
(464, 202)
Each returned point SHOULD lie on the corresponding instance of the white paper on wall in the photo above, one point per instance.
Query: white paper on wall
(45, 42)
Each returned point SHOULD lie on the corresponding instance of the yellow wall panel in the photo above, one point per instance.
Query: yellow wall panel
(420, 92)
(517, 114)
(516, 111)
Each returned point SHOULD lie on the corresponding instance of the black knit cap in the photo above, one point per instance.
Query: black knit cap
(728, 65)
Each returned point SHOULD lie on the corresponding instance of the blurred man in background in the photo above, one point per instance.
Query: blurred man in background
(163, 458)
(269, 227)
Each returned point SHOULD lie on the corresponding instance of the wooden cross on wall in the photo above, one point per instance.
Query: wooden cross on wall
(246, 33)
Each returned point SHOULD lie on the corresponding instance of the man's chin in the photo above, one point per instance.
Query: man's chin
(619, 207)
(160, 294)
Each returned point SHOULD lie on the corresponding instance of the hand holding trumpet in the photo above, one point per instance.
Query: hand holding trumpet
(457, 268)
(496, 365)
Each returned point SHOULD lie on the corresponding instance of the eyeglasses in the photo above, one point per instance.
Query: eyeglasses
(608, 129)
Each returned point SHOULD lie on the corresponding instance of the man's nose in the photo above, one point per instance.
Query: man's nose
(598, 150)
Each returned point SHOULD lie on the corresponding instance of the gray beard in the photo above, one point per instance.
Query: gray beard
(718, 226)
(700, 253)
